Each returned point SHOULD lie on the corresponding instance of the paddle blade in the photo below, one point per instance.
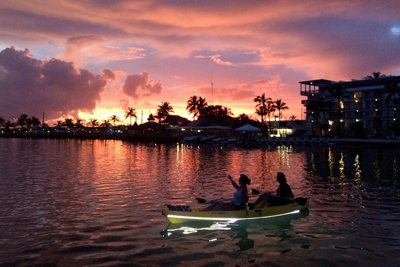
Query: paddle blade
(255, 191)
(201, 200)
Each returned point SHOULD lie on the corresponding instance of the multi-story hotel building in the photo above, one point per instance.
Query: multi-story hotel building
(366, 107)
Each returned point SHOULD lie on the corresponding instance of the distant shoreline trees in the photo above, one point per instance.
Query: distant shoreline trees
(197, 106)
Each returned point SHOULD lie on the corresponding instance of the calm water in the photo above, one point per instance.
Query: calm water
(98, 203)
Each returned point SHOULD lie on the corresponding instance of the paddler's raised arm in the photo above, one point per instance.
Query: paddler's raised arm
(235, 185)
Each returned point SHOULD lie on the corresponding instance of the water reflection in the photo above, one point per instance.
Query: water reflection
(91, 202)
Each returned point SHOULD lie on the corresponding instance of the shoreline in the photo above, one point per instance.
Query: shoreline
(178, 139)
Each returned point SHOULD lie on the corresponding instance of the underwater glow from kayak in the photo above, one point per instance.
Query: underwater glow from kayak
(227, 219)
(190, 230)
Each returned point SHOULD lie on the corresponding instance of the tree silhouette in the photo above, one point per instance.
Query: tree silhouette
(375, 75)
(131, 112)
(317, 107)
(196, 105)
(280, 107)
(217, 114)
(59, 124)
(114, 119)
(69, 123)
(191, 106)
(93, 122)
(79, 123)
(261, 108)
(163, 110)
(105, 123)
(8, 124)
(22, 120)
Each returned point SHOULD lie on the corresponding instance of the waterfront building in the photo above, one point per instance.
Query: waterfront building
(357, 108)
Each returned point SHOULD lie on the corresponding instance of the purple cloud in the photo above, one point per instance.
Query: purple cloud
(31, 86)
(134, 83)
(108, 74)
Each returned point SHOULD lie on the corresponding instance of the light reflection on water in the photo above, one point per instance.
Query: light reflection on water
(98, 203)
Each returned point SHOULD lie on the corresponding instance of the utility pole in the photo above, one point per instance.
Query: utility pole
(212, 90)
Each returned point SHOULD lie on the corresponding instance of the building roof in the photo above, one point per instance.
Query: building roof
(317, 82)
(175, 120)
(367, 81)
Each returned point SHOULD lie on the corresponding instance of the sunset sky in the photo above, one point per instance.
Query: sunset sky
(94, 58)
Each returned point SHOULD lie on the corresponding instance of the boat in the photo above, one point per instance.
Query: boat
(190, 139)
(206, 138)
(182, 214)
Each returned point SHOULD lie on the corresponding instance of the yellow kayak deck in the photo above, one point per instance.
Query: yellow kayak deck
(197, 214)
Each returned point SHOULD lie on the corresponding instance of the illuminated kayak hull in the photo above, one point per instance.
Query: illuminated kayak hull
(197, 214)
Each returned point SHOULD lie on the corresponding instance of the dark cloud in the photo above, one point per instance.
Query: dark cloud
(134, 83)
(31, 86)
(82, 40)
(108, 74)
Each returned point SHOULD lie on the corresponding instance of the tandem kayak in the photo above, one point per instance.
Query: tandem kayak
(186, 214)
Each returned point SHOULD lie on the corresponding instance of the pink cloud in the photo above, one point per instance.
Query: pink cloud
(108, 74)
(32, 86)
(135, 84)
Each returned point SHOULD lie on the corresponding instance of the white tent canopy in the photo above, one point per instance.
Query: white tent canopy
(247, 128)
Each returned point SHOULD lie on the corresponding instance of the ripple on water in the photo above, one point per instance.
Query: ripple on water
(98, 203)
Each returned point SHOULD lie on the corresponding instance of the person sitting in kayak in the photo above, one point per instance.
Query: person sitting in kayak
(283, 194)
(240, 197)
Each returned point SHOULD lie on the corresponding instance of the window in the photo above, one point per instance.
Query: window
(357, 95)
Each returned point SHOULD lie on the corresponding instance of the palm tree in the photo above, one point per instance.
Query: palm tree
(280, 106)
(2, 121)
(262, 111)
(7, 124)
(375, 75)
(59, 124)
(131, 112)
(196, 105)
(270, 109)
(114, 119)
(201, 105)
(319, 106)
(105, 123)
(243, 119)
(163, 110)
(22, 120)
(35, 121)
(69, 123)
(262, 102)
(293, 117)
(217, 114)
(93, 122)
(191, 106)
(79, 123)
